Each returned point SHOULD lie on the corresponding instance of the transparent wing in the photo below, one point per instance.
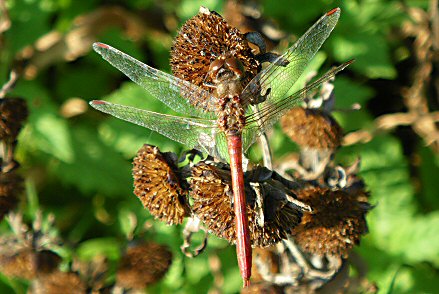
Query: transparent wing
(275, 81)
(200, 134)
(161, 85)
(269, 114)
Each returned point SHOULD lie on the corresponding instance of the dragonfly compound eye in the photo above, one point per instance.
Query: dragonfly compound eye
(215, 66)
(235, 65)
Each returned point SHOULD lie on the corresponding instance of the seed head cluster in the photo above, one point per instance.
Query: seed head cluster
(212, 193)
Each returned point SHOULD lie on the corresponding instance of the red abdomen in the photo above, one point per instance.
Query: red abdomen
(243, 245)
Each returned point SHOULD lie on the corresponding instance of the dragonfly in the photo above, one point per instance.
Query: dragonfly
(228, 130)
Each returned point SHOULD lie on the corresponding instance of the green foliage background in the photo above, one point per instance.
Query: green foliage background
(79, 167)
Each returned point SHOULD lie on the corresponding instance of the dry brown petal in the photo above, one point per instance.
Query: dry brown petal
(200, 41)
(336, 224)
(157, 185)
(312, 128)
(142, 265)
(212, 193)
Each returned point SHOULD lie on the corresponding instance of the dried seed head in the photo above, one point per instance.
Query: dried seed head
(201, 40)
(157, 185)
(13, 111)
(269, 259)
(212, 193)
(262, 288)
(312, 128)
(142, 265)
(27, 263)
(19, 265)
(59, 282)
(11, 186)
(337, 223)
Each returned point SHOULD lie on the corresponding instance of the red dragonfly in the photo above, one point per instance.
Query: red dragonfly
(233, 127)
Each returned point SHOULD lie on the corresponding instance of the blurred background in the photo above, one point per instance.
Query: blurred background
(76, 162)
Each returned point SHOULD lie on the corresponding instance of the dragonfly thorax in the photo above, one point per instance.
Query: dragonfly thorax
(226, 68)
(226, 74)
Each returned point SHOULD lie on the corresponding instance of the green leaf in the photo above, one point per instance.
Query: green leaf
(107, 247)
(97, 167)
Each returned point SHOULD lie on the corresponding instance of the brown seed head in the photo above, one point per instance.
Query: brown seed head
(336, 224)
(262, 288)
(157, 185)
(201, 40)
(212, 193)
(13, 111)
(312, 128)
(59, 282)
(142, 265)
(11, 186)
(27, 263)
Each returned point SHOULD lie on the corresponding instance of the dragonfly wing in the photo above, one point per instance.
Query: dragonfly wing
(200, 134)
(161, 85)
(275, 81)
(267, 115)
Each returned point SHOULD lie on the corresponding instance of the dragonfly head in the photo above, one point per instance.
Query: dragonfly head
(226, 68)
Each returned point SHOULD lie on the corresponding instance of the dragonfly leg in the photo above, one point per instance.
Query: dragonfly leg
(261, 98)
(257, 39)
(210, 85)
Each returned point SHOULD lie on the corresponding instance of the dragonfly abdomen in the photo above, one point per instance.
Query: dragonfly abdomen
(231, 115)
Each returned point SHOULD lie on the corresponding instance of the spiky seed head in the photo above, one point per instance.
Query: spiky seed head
(59, 282)
(200, 41)
(158, 186)
(13, 112)
(262, 288)
(11, 186)
(312, 128)
(336, 224)
(211, 191)
(143, 264)
(27, 264)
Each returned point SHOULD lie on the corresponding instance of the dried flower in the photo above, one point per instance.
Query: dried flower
(336, 224)
(157, 185)
(200, 41)
(11, 186)
(262, 288)
(212, 194)
(13, 111)
(27, 263)
(312, 128)
(59, 282)
(143, 264)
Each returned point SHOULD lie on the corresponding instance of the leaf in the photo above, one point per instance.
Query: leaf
(97, 167)
(46, 131)
(107, 247)
(400, 233)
